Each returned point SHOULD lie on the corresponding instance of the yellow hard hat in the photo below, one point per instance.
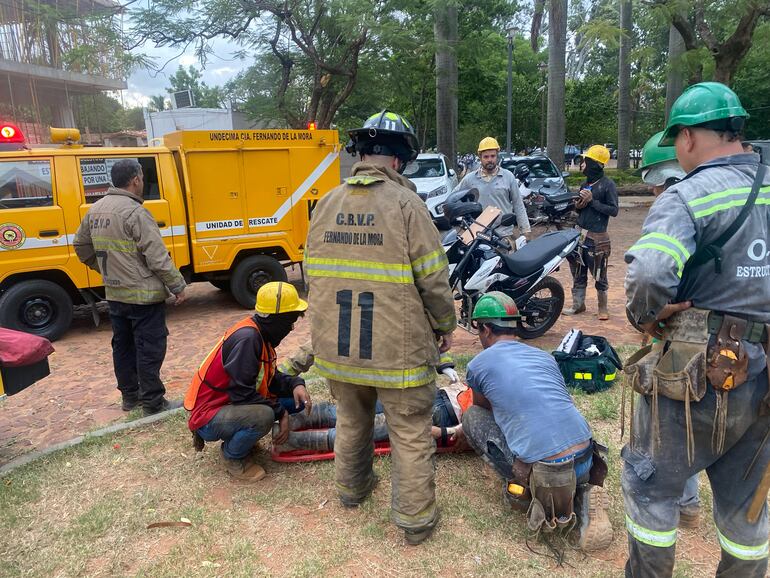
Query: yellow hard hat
(278, 297)
(601, 154)
(488, 143)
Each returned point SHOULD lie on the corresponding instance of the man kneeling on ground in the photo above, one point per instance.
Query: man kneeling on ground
(525, 425)
(234, 396)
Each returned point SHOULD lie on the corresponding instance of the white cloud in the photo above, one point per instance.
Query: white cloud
(221, 67)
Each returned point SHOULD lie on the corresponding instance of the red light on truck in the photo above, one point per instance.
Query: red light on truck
(10, 134)
(311, 126)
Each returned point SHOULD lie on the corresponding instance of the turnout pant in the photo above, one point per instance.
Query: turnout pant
(595, 258)
(654, 477)
(408, 416)
(138, 349)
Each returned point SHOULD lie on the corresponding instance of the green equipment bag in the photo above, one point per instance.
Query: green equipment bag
(587, 362)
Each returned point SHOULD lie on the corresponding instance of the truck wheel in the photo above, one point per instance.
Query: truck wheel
(250, 274)
(40, 307)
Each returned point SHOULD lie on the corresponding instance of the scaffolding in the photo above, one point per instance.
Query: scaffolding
(53, 52)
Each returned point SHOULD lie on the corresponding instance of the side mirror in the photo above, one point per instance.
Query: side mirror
(508, 220)
(452, 172)
(565, 174)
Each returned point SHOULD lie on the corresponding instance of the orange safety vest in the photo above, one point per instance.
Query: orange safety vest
(213, 374)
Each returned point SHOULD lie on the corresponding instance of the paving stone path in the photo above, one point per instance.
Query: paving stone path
(80, 393)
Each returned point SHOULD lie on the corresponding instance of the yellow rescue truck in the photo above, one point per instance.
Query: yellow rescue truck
(232, 206)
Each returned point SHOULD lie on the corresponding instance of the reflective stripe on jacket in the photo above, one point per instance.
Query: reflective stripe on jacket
(120, 239)
(379, 285)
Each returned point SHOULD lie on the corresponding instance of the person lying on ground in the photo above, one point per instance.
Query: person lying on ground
(316, 429)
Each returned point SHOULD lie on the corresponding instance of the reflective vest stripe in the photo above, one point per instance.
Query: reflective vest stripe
(446, 324)
(395, 378)
(742, 191)
(119, 245)
(741, 551)
(662, 249)
(650, 537)
(430, 263)
(140, 295)
(675, 242)
(761, 200)
(354, 269)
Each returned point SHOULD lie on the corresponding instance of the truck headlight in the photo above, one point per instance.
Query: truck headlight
(438, 191)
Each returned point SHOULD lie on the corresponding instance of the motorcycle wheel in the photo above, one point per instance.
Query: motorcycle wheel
(541, 310)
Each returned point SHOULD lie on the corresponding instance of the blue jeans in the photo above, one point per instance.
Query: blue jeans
(240, 427)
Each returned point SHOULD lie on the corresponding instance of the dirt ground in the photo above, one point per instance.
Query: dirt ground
(80, 393)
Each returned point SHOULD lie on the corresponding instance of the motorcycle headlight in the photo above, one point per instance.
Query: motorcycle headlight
(438, 191)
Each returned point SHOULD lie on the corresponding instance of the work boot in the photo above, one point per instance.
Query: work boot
(349, 502)
(603, 313)
(164, 405)
(129, 403)
(689, 516)
(417, 537)
(578, 301)
(243, 470)
(595, 527)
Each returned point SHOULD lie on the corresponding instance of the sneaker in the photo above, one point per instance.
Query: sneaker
(354, 503)
(129, 404)
(689, 516)
(417, 537)
(595, 527)
(165, 405)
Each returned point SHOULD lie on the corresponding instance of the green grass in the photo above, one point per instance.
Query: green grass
(84, 511)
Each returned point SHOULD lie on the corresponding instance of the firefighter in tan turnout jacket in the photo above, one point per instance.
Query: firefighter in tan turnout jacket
(381, 310)
(119, 239)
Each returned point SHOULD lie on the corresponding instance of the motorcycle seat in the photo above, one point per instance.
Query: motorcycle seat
(538, 252)
(561, 197)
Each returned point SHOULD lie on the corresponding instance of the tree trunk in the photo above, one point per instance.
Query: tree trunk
(624, 85)
(557, 47)
(674, 73)
(537, 22)
(445, 32)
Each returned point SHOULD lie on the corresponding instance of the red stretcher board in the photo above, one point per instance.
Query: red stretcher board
(380, 449)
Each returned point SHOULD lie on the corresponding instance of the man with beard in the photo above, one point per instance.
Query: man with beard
(497, 188)
(597, 203)
(234, 395)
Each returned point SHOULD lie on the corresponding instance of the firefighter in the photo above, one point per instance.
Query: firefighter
(699, 280)
(597, 203)
(120, 239)
(234, 395)
(381, 311)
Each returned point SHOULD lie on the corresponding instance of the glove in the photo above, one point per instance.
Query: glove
(451, 374)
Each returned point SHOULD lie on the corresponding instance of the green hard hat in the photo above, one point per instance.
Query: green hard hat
(653, 153)
(496, 308)
(704, 103)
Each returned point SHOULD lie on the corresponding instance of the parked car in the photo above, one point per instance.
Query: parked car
(543, 174)
(432, 174)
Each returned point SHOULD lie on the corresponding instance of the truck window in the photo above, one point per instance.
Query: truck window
(95, 176)
(25, 184)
